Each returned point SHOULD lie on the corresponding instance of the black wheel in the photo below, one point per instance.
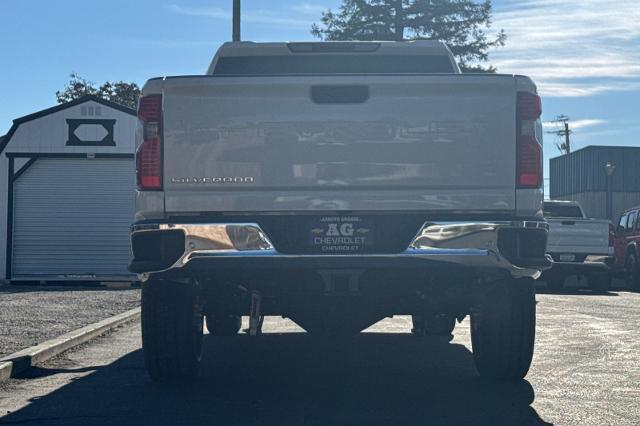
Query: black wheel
(433, 325)
(555, 282)
(224, 325)
(503, 330)
(632, 269)
(172, 330)
(600, 282)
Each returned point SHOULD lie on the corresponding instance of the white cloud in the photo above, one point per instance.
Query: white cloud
(561, 44)
(551, 88)
(576, 124)
(608, 132)
(265, 17)
(580, 124)
(574, 65)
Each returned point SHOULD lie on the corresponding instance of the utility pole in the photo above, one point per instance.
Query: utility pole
(609, 169)
(565, 147)
(236, 21)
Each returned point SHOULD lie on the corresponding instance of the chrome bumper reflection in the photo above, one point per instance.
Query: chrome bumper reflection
(469, 244)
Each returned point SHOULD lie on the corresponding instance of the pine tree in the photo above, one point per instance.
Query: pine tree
(462, 24)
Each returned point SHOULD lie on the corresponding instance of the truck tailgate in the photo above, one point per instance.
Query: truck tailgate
(578, 236)
(433, 142)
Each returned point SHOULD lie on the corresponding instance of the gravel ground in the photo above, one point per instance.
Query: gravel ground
(31, 315)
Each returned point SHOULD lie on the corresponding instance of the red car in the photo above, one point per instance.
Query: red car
(627, 246)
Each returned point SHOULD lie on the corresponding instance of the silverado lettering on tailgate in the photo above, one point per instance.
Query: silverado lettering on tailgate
(213, 180)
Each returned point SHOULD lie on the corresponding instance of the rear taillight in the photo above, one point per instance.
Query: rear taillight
(529, 150)
(149, 153)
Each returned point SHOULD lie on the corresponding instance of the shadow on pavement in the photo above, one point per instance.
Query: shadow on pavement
(576, 289)
(576, 292)
(38, 372)
(295, 379)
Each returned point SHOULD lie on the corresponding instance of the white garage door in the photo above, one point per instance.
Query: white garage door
(72, 218)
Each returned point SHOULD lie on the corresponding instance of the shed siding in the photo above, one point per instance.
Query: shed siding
(49, 134)
(72, 218)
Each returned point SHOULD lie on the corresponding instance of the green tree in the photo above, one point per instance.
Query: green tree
(75, 88)
(462, 24)
(120, 92)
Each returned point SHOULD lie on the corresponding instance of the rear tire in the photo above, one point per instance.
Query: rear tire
(503, 331)
(172, 330)
(433, 325)
(225, 325)
(632, 269)
(600, 282)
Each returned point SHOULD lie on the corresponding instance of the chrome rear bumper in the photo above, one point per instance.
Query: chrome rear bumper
(470, 244)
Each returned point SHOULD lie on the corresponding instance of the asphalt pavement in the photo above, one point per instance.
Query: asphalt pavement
(586, 371)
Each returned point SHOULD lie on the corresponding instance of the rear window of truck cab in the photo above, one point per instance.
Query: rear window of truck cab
(560, 210)
(332, 64)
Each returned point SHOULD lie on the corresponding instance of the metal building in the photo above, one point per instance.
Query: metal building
(67, 179)
(604, 179)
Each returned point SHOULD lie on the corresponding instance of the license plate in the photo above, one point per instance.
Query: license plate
(340, 234)
(567, 257)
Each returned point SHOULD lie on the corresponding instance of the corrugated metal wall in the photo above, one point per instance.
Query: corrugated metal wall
(72, 217)
(595, 203)
(583, 171)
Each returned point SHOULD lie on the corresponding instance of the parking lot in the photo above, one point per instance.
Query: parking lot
(586, 370)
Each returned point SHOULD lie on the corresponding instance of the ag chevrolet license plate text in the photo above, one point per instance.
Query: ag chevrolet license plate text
(340, 234)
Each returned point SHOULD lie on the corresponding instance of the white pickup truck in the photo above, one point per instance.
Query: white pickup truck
(336, 184)
(578, 245)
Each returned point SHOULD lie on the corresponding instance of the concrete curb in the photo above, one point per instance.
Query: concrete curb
(18, 362)
(5, 370)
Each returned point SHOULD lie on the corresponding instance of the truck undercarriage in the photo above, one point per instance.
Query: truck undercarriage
(445, 272)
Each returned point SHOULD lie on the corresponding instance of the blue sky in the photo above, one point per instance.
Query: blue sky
(584, 55)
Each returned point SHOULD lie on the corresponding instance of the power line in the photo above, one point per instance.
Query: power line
(564, 147)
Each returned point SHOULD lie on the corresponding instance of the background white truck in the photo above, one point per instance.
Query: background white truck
(578, 245)
(337, 184)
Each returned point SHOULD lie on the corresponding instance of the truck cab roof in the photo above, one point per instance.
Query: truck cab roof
(349, 57)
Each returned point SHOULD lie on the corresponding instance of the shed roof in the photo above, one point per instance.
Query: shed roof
(4, 141)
